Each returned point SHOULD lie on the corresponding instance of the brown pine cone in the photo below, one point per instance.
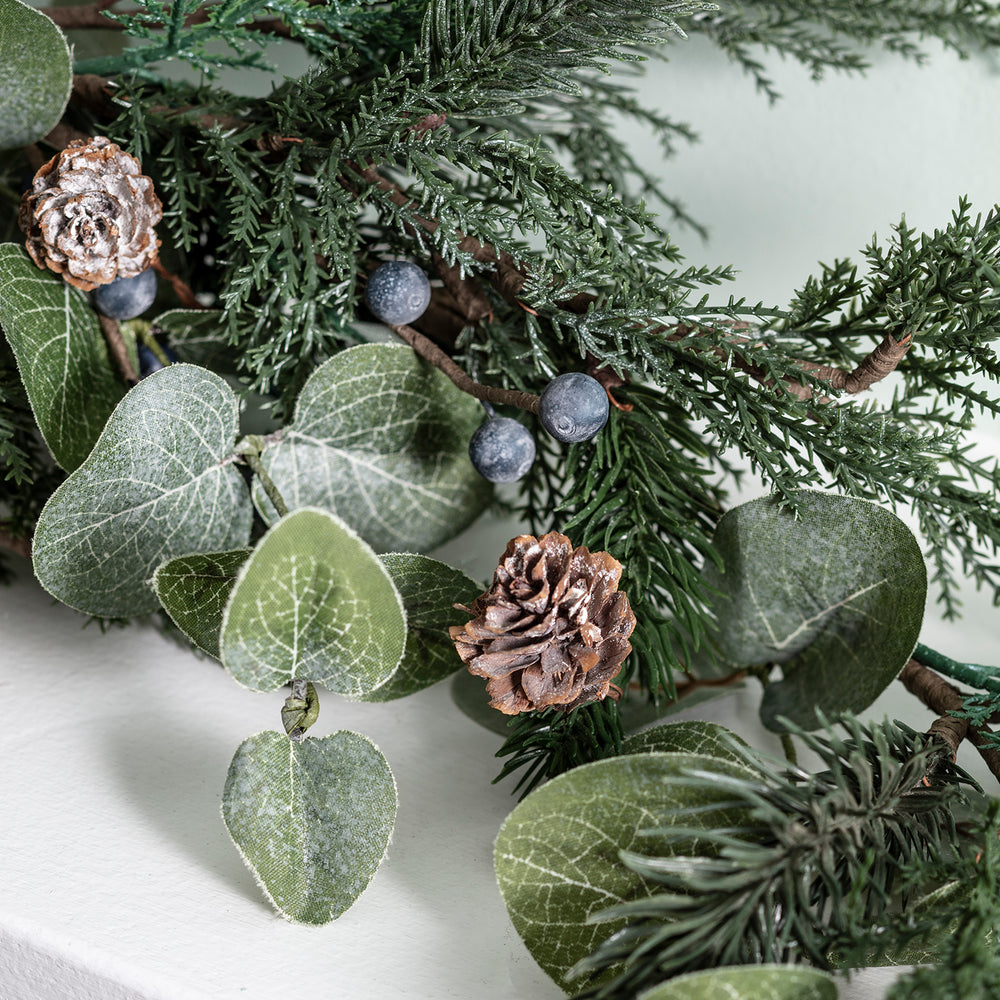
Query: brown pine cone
(90, 213)
(553, 629)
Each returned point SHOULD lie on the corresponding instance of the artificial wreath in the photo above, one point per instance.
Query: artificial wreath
(428, 266)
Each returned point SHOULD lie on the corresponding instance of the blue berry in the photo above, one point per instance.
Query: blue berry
(126, 298)
(398, 292)
(149, 362)
(502, 450)
(573, 407)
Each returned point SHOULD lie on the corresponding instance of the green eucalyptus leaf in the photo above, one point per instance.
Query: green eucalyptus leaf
(36, 74)
(706, 738)
(557, 854)
(193, 590)
(748, 982)
(159, 483)
(313, 602)
(382, 439)
(430, 590)
(61, 355)
(312, 820)
(198, 336)
(835, 595)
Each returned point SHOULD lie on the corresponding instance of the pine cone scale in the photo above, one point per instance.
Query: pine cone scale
(552, 630)
(89, 215)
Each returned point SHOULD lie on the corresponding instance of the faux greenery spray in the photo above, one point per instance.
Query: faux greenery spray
(173, 249)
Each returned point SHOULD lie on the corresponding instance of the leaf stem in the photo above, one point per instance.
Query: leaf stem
(145, 332)
(976, 674)
(301, 709)
(788, 746)
(250, 449)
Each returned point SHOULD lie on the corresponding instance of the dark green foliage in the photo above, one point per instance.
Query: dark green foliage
(819, 862)
(551, 741)
(825, 35)
(968, 963)
(27, 473)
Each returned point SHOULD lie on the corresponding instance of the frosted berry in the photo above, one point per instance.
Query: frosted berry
(573, 407)
(149, 362)
(398, 292)
(126, 298)
(502, 450)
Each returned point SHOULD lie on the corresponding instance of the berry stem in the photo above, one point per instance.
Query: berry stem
(485, 393)
(250, 448)
(116, 347)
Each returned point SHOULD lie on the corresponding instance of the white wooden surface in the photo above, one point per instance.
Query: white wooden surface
(117, 879)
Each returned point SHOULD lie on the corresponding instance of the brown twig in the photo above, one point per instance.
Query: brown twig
(19, 546)
(489, 393)
(89, 15)
(183, 292)
(116, 347)
(944, 698)
(693, 683)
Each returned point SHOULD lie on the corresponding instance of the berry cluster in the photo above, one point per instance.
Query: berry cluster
(573, 408)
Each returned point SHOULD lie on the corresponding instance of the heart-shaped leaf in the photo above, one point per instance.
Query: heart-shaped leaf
(35, 74)
(314, 602)
(311, 819)
(748, 982)
(60, 353)
(557, 854)
(382, 439)
(430, 590)
(194, 589)
(159, 483)
(708, 739)
(835, 595)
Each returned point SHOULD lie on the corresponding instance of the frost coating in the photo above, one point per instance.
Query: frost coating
(313, 602)
(312, 820)
(156, 485)
(35, 74)
(380, 438)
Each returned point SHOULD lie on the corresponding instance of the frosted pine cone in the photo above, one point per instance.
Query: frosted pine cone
(553, 629)
(90, 213)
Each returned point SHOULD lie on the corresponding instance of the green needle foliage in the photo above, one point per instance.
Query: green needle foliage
(549, 742)
(818, 862)
(969, 960)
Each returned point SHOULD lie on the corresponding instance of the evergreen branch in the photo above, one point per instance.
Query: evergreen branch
(550, 741)
(967, 960)
(824, 36)
(818, 862)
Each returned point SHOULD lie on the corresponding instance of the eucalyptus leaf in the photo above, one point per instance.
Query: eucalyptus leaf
(61, 355)
(194, 589)
(312, 820)
(159, 483)
(748, 982)
(381, 438)
(835, 595)
(36, 74)
(429, 590)
(557, 854)
(706, 738)
(198, 336)
(313, 602)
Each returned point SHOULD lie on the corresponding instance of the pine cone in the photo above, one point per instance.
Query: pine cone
(90, 213)
(553, 629)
